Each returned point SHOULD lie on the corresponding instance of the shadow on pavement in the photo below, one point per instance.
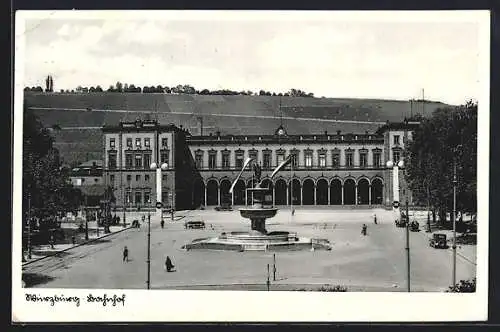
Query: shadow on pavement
(50, 253)
(98, 241)
(33, 279)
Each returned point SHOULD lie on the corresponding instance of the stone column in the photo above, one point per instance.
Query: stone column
(328, 195)
(205, 196)
(370, 194)
(314, 187)
(218, 195)
(287, 195)
(356, 194)
(342, 192)
(246, 195)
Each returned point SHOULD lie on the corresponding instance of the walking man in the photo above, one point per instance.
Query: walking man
(168, 264)
(125, 254)
(162, 223)
(375, 218)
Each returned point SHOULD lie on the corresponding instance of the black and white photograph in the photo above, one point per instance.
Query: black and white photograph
(251, 165)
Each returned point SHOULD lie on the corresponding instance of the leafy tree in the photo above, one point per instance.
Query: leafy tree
(46, 183)
(449, 137)
(119, 87)
(98, 88)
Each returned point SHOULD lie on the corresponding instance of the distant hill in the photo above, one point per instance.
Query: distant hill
(77, 117)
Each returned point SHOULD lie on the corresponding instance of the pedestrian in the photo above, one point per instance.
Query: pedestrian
(51, 241)
(162, 223)
(125, 254)
(363, 230)
(168, 264)
(375, 218)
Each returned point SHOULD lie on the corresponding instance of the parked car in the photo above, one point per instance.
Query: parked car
(224, 207)
(438, 241)
(194, 224)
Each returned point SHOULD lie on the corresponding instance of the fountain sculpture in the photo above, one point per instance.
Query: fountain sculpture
(258, 238)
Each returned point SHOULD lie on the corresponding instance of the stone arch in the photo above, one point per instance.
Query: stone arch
(212, 192)
(336, 191)
(322, 192)
(308, 191)
(349, 191)
(363, 191)
(225, 196)
(377, 190)
(239, 192)
(295, 191)
(198, 193)
(280, 188)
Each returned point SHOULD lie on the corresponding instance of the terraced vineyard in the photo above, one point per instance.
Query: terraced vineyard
(80, 116)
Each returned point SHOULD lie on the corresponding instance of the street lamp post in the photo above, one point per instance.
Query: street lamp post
(395, 167)
(159, 206)
(148, 282)
(454, 246)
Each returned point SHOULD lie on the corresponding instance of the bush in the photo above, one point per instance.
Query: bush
(465, 286)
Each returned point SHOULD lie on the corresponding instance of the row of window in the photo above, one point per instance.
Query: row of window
(143, 197)
(138, 178)
(137, 160)
(280, 157)
(138, 142)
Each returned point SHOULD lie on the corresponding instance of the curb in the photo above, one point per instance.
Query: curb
(76, 246)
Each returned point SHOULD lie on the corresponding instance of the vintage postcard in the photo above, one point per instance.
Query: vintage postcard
(251, 166)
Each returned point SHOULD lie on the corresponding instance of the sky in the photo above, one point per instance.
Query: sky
(325, 54)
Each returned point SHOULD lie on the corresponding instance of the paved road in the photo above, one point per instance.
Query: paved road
(376, 261)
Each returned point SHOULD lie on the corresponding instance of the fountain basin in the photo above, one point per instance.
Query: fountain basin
(258, 213)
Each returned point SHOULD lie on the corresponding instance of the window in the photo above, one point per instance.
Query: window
(198, 158)
(212, 161)
(146, 177)
(280, 157)
(137, 142)
(147, 197)
(128, 197)
(138, 198)
(396, 139)
(164, 142)
(112, 179)
(239, 159)
(111, 143)
(376, 159)
(129, 143)
(225, 159)
(164, 178)
(267, 160)
(138, 161)
(322, 159)
(349, 159)
(129, 178)
(253, 154)
(295, 158)
(362, 159)
(396, 156)
(147, 142)
(128, 160)
(147, 160)
(112, 161)
(308, 158)
(137, 178)
(164, 157)
(335, 159)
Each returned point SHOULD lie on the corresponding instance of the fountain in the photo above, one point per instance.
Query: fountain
(258, 238)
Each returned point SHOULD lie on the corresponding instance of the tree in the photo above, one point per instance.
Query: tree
(448, 137)
(119, 87)
(45, 182)
(98, 88)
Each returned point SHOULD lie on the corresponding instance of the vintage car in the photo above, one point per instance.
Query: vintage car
(438, 241)
(414, 226)
(224, 207)
(198, 224)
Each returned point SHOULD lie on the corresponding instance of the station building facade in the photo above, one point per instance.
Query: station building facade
(327, 169)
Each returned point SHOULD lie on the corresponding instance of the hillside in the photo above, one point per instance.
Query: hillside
(81, 115)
